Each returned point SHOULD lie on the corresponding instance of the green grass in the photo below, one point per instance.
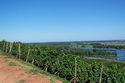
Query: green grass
(21, 81)
(52, 81)
(12, 64)
(34, 71)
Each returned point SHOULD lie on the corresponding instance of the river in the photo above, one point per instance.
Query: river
(120, 52)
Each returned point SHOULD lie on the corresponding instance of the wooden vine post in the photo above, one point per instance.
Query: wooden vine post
(3, 46)
(33, 60)
(6, 47)
(19, 51)
(28, 55)
(75, 79)
(46, 67)
(11, 45)
(100, 79)
(57, 73)
(75, 67)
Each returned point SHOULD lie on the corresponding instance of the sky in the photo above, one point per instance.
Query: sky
(62, 20)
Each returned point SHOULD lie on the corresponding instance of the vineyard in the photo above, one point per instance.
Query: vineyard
(70, 67)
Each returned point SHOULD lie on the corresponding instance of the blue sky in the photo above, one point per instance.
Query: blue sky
(62, 20)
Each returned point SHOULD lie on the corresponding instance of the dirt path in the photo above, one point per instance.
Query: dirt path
(11, 73)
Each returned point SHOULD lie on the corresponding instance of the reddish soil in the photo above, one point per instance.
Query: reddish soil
(17, 74)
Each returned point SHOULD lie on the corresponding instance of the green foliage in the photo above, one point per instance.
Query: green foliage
(66, 65)
(99, 45)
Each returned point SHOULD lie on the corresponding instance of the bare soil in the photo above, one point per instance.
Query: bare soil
(17, 74)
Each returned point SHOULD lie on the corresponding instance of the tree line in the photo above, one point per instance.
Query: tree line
(72, 49)
(99, 45)
(68, 66)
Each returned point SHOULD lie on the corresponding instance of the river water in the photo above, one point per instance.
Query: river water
(120, 52)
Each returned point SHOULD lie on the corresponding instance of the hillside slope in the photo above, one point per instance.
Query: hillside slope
(13, 71)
